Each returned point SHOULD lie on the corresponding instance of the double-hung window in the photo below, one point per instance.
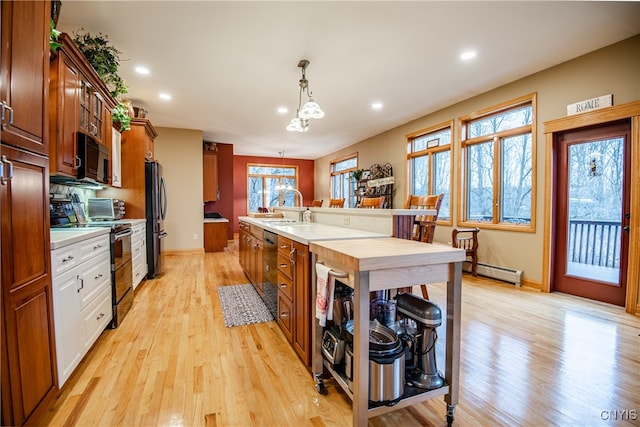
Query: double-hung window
(265, 184)
(429, 165)
(342, 184)
(498, 152)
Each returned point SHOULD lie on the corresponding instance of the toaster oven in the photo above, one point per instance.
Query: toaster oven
(105, 209)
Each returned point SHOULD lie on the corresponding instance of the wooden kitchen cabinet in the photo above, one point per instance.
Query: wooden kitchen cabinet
(294, 298)
(215, 235)
(251, 254)
(79, 101)
(210, 176)
(28, 380)
(135, 143)
(24, 75)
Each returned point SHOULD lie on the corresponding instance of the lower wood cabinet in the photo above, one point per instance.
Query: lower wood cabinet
(82, 304)
(251, 249)
(294, 299)
(215, 235)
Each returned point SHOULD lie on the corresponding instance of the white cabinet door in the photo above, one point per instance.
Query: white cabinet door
(66, 313)
(116, 158)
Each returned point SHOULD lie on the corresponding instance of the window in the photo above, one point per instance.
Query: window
(261, 186)
(498, 150)
(429, 165)
(342, 185)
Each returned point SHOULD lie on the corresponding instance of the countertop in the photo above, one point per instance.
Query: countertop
(309, 232)
(61, 237)
(388, 252)
(206, 220)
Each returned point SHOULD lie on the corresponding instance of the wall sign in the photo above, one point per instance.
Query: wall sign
(590, 105)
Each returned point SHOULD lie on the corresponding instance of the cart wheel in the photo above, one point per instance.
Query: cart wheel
(320, 384)
(450, 409)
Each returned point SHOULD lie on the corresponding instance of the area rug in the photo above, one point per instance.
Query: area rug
(241, 305)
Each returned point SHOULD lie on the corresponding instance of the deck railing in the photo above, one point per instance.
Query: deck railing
(595, 242)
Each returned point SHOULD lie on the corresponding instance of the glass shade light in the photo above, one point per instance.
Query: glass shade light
(311, 110)
(298, 125)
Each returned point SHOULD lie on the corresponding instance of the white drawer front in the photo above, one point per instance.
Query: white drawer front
(64, 259)
(139, 272)
(94, 278)
(93, 247)
(96, 317)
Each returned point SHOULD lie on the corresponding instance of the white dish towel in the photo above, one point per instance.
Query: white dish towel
(325, 285)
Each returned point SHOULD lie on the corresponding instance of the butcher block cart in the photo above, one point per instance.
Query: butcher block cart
(380, 264)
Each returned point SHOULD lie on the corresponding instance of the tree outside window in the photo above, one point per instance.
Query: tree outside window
(498, 149)
(429, 165)
(342, 184)
(264, 183)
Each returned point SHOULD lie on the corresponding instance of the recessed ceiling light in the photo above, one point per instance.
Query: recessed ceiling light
(376, 105)
(142, 70)
(165, 96)
(469, 54)
(283, 110)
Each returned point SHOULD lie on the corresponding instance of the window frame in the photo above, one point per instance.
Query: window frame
(271, 176)
(351, 196)
(496, 138)
(430, 152)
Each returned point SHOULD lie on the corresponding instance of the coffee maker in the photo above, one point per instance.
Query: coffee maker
(422, 371)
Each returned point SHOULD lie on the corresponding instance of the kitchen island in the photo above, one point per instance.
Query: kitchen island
(390, 263)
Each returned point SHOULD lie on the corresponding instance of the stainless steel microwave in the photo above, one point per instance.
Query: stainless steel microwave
(93, 160)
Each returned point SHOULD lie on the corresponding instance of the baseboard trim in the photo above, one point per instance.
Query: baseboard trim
(184, 252)
(531, 284)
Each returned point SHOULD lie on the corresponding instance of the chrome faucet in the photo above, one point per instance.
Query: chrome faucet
(301, 210)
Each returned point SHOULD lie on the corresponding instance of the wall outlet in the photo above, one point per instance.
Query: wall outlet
(346, 220)
(195, 236)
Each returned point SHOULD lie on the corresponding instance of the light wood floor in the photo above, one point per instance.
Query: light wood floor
(527, 359)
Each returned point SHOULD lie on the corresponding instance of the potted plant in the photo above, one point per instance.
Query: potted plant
(120, 116)
(54, 45)
(357, 174)
(104, 58)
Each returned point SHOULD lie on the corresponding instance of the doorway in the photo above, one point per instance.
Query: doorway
(592, 212)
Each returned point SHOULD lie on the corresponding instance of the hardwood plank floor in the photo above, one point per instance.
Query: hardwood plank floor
(527, 358)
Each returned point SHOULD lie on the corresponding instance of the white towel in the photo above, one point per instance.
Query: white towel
(325, 285)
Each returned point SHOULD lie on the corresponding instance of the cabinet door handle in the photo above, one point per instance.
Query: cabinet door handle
(284, 265)
(81, 283)
(283, 285)
(6, 106)
(68, 258)
(100, 317)
(284, 315)
(99, 276)
(78, 163)
(98, 246)
(5, 179)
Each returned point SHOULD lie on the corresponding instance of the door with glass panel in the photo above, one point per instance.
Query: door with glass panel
(592, 212)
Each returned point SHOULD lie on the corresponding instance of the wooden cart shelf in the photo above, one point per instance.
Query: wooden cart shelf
(390, 263)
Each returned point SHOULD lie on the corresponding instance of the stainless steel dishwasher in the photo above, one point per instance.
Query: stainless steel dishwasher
(270, 272)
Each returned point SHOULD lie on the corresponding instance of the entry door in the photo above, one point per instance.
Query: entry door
(592, 212)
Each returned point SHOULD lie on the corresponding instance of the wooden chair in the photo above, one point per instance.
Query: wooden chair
(372, 202)
(336, 203)
(317, 203)
(467, 239)
(424, 225)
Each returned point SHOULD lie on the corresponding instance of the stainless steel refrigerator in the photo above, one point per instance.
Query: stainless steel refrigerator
(156, 211)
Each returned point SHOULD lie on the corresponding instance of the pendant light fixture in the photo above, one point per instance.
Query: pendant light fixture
(310, 110)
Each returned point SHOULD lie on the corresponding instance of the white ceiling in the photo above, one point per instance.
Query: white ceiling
(230, 65)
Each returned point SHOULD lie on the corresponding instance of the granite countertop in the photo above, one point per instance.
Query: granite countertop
(309, 232)
(61, 237)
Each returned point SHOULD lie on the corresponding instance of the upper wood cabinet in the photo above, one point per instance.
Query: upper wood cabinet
(210, 176)
(24, 75)
(79, 101)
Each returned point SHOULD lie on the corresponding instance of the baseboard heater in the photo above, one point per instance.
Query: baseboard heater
(496, 272)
